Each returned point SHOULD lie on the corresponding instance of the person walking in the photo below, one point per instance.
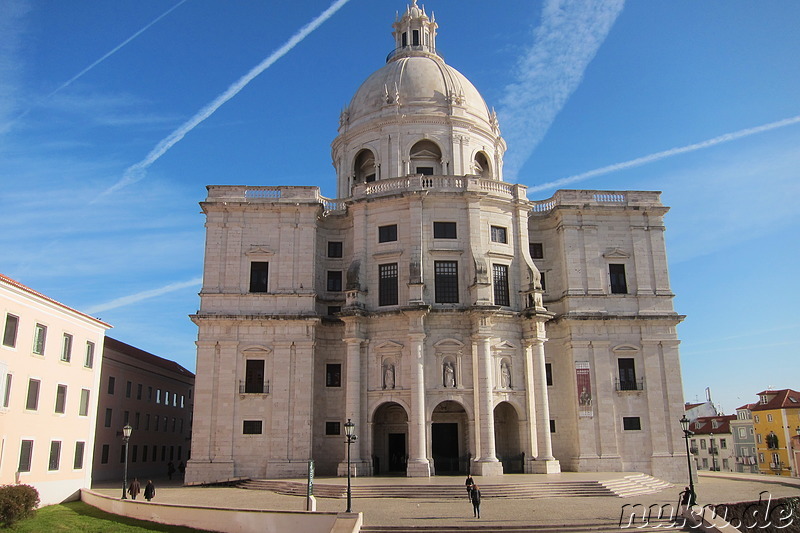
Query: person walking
(469, 482)
(170, 469)
(149, 490)
(134, 488)
(475, 497)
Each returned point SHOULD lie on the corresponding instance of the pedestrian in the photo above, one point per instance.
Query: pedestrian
(475, 497)
(170, 469)
(134, 488)
(182, 468)
(149, 490)
(469, 482)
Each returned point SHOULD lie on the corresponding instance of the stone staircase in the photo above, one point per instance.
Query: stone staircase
(653, 527)
(635, 485)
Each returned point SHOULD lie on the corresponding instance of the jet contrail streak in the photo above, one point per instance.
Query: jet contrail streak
(136, 172)
(666, 153)
(144, 295)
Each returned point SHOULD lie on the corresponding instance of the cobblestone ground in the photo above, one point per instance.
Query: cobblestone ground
(711, 488)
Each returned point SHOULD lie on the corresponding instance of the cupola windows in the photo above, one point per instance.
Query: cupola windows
(481, 165)
(426, 159)
(364, 167)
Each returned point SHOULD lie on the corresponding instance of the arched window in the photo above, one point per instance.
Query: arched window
(364, 167)
(426, 158)
(481, 165)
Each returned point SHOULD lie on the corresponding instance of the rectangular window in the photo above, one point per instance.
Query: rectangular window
(335, 280)
(144, 453)
(166, 420)
(163, 453)
(703, 445)
(111, 383)
(128, 389)
(55, 455)
(251, 427)
(139, 391)
(149, 394)
(32, 402)
(498, 234)
(259, 274)
(616, 273)
(387, 233)
(10, 332)
(158, 395)
(25, 455)
(39, 339)
(134, 453)
(182, 398)
(254, 376)
(171, 453)
(705, 462)
(122, 452)
(446, 281)
(156, 420)
(154, 457)
(500, 281)
(109, 413)
(760, 457)
(333, 309)
(7, 392)
(88, 361)
(537, 250)
(552, 426)
(723, 443)
(61, 399)
(126, 417)
(173, 424)
(333, 428)
(425, 171)
(387, 284)
(444, 230)
(631, 423)
(548, 373)
(335, 249)
(104, 454)
(136, 417)
(542, 280)
(83, 407)
(147, 422)
(758, 438)
(333, 375)
(77, 464)
(627, 373)
(66, 348)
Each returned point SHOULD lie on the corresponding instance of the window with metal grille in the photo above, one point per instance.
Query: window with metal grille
(537, 250)
(335, 280)
(249, 427)
(387, 284)
(333, 375)
(254, 376)
(333, 428)
(445, 281)
(627, 373)
(259, 274)
(500, 281)
(334, 249)
(619, 284)
(498, 234)
(444, 230)
(387, 233)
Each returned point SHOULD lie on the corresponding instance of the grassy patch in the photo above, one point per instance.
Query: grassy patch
(78, 516)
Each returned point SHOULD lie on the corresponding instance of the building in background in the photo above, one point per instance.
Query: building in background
(154, 396)
(744, 440)
(696, 410)
(776, 419)
(712, 443)
(459, 325)
(49, 375)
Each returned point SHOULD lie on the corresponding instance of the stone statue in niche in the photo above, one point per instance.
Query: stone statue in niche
(505, 375)
(388, 377)
(449, 375)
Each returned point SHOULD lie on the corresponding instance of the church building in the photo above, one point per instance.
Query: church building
(459, 325)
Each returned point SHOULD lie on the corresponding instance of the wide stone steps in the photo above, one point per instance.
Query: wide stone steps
(651, 527)
(632, 485)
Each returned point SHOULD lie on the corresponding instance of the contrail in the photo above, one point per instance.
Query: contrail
(136, 172)
(144, 295)
(667, 153)
(103, 58)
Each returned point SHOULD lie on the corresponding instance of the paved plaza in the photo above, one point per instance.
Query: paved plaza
(711, 488)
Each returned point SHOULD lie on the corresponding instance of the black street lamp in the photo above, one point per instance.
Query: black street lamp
(686, 434)
(712, 451)
(126, 436)
(349, 429)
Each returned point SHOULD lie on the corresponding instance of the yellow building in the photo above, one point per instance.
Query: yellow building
(776, 418)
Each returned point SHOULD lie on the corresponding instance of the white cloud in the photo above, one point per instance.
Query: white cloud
(144, 295)
(566, 41)
(12, 30)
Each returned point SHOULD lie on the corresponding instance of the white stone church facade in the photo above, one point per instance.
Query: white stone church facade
(459, 325)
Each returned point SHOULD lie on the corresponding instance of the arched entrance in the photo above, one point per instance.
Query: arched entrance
(449, 429)
(507, 438)
(389, 440)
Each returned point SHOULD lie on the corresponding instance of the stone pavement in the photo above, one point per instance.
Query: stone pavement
(712, 487)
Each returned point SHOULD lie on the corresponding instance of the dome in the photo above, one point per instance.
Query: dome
(423, 81)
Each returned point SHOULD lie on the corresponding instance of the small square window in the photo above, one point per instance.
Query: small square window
(631, 423)
(387, 233)
(333, 375)
(335, 249)
(333, 428)
(444, 230)
(499, 234)
(334, 280)
(537, 250)
(251, 427)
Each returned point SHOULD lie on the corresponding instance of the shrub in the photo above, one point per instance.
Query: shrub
(17, 502)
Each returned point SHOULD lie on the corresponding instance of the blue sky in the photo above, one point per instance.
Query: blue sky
(699, 100)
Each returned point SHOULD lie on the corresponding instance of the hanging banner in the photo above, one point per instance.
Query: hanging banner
(584, 382)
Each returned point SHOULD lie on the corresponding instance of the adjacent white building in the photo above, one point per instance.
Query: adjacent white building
(460, 325)
(50, 359)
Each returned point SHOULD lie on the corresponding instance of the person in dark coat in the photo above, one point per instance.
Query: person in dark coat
(170, 469)
(134, 488)
(149, 490)
(469, 482)
(475, 497)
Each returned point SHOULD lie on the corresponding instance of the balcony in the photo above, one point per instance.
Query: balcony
(253, 387)
(713, 450)
(629, 384)
(693, 450)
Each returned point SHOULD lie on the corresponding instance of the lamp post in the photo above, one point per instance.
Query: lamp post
(686, 434)
(126, 436)
(712, 451)
(349, 429)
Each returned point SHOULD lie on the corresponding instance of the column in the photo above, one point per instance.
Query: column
(418, 465)
(352, 407)
(486, 463)
(545, 462)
